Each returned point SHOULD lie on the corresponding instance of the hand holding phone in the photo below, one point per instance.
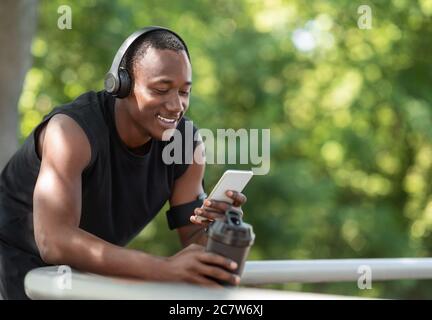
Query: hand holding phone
(234, 180)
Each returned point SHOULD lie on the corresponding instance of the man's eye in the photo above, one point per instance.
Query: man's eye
(184, 93)
(161, 91)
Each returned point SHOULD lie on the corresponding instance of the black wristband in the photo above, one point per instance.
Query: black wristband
(179, 216)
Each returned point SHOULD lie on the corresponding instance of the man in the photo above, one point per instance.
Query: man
(91, 176)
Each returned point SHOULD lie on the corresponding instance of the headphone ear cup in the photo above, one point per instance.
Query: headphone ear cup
(125, 83)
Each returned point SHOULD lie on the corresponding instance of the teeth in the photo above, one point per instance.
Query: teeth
(166, 119)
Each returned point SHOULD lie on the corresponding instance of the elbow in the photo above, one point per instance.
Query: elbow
(49, 248)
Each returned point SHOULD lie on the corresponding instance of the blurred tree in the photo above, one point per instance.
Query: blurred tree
(17, 27)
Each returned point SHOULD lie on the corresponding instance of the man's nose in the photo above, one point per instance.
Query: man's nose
(175, 104)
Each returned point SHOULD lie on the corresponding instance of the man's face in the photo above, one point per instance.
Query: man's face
(162, 83)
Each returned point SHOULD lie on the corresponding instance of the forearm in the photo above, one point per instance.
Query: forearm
(198, 237)
(84, 251)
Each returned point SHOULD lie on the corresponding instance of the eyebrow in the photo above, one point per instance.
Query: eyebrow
(167, 81)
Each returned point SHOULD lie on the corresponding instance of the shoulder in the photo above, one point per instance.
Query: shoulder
(83, 119)
(72, 130)
(63, 144)
(88, 108)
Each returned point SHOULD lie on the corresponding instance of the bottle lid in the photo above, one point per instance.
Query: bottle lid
(232, 231)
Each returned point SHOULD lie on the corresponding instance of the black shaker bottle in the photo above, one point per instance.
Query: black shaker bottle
(231, 238)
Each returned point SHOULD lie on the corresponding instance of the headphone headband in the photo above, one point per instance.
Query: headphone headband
(113, 79)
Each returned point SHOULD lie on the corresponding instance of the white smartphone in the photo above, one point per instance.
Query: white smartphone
(235, 180)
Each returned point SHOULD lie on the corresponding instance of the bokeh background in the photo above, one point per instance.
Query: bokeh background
(349, 111)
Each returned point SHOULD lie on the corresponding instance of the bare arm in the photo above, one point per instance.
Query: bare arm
(186, 189)
(65, 152)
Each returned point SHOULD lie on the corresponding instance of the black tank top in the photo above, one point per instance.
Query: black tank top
(121, 191)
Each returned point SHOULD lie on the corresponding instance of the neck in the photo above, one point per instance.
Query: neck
(128, 129)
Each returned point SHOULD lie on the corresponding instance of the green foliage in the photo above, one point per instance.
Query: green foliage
(350, 120)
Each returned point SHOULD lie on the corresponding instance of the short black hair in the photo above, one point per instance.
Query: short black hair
(159, 39)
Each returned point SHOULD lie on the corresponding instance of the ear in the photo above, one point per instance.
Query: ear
(125, 83)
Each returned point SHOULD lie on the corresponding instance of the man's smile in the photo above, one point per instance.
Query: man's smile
(168, 122)
(167, 119)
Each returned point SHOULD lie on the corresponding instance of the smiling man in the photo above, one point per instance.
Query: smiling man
(91, 176)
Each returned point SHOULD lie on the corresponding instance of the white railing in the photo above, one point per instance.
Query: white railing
(335, 270)
(51, 283)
